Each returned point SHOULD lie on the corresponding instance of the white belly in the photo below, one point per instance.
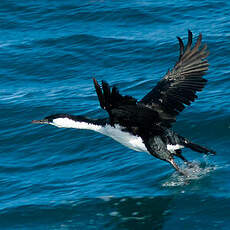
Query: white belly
(125, 138)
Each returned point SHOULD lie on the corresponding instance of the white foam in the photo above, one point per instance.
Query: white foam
(105, 198)
(115, 213)
(192, 173)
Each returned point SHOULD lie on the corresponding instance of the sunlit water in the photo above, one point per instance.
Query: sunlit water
(54, 178)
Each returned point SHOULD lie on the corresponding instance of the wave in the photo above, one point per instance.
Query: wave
(119, 213)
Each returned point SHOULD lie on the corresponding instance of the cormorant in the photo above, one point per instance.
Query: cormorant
(145, 125)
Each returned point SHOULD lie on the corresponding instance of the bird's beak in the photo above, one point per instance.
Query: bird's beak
(45, 121)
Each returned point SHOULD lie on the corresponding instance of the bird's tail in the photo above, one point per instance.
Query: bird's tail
(174, 139)
(197, 148)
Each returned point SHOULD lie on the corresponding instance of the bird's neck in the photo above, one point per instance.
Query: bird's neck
(78, 122)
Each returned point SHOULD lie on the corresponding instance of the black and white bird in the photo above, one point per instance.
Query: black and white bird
(145, 125)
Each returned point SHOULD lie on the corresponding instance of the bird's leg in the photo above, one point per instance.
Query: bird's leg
(182, 157)
(178, 154)
(173, 163)
(190, 164)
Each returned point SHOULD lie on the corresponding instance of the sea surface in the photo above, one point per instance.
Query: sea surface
(54, 178)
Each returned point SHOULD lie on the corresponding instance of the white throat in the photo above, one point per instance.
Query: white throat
(125, 138)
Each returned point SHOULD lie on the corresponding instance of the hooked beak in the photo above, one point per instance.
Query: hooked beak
(45, 121)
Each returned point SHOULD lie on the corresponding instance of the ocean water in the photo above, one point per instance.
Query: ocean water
(54, 178)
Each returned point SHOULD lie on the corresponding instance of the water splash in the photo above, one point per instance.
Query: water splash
(195, 171)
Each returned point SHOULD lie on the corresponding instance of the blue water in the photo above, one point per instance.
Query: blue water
(54, 178)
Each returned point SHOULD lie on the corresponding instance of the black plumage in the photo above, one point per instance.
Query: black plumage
(180, 85)
(145, 125)
(152, 116)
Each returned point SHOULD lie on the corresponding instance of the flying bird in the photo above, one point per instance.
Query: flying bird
(146, 125)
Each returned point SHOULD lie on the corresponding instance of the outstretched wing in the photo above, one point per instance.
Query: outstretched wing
(110, 98)
(180, 85)
(124, 110)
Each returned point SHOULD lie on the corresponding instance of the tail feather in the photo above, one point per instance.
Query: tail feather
(173, 138)
(198, 148)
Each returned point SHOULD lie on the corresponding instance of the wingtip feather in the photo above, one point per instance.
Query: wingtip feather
(189, 43)
(99, 93)
(181, 47)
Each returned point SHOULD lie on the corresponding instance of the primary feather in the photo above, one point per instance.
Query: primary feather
(180, 85)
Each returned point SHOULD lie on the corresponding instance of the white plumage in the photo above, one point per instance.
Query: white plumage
(125, 138)
(172, 148)
(69, 123)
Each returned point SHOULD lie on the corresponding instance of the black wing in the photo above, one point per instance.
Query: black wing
(180, 85)
(124, 110)
(110, 98)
